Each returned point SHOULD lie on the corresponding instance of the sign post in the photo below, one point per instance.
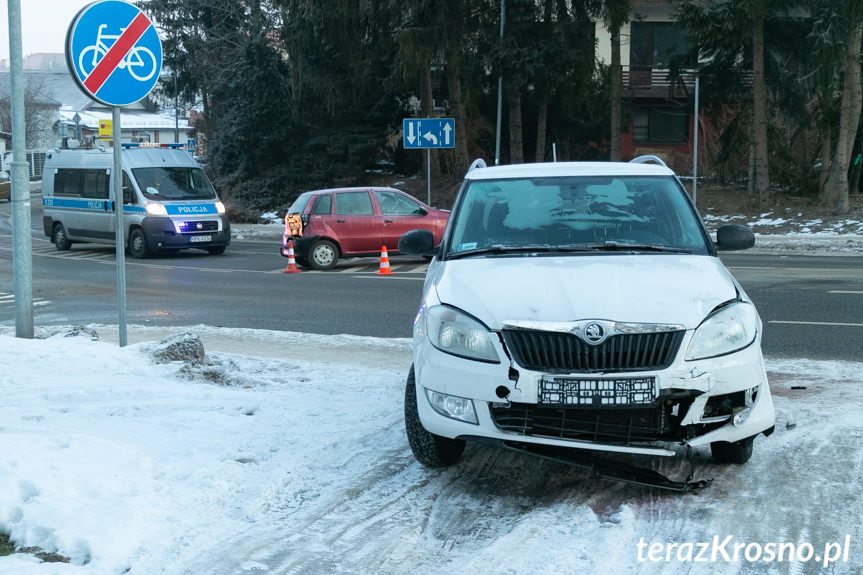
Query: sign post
(114, 55)
(428, 133)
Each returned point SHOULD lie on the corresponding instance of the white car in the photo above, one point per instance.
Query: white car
(582, 305)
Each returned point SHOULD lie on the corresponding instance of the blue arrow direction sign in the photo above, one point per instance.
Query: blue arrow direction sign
(113, 52)
(421, 133)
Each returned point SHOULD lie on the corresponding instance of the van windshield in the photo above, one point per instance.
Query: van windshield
(568, 212)
(174, 184)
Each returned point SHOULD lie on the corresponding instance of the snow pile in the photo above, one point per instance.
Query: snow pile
(127, 460)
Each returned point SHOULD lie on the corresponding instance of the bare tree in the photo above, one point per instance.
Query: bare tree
(39, 110)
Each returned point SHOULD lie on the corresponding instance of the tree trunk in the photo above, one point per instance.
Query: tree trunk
(616, 92)
(759, 108)
(835, 193)
(750, 185)
(541, 122)
(826, 153)
(542, 87)
(427, 106)
(516, 136)
(453, 70)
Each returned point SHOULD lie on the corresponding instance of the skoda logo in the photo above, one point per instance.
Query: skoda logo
(200, 226)
(594, 332)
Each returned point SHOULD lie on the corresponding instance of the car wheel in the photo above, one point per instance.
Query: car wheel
(736, 452)
(216, 250)
(323, 255)
(138, 247)
(61, 240)
(429, 449)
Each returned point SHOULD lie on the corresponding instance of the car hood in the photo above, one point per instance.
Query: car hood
(661, 288)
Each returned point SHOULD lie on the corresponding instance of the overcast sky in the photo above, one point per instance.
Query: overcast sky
(43, 24)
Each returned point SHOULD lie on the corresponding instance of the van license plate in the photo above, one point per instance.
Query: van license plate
(200, 238)
(577, 392)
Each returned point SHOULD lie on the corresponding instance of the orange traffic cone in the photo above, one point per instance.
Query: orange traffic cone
(292, 263)
(385, 263)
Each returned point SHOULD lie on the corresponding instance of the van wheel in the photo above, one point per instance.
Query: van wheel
(138, 247)
(216, 250)
(737, 452)
(60, 239)
(429, 449)
(323, 255)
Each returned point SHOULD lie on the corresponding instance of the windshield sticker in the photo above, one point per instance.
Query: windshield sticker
(467, 246)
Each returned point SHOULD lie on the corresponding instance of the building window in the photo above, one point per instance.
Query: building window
(660, 45)
(660, 125)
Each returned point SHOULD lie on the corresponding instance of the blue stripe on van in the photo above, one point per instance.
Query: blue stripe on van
(99, 206)
(75, 204)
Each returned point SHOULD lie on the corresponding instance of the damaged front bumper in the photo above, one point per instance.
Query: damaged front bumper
(721, 399)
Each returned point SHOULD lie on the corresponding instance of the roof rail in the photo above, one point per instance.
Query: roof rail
(477, 163)
(647, 160)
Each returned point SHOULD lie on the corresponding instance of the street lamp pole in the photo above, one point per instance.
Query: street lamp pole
(499, 88)
(22, 243)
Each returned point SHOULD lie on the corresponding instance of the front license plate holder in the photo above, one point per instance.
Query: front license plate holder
(579, 392)
(196, 239)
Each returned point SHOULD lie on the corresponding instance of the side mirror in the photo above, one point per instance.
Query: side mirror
(417, 243)
(421, 211)
(734, 237)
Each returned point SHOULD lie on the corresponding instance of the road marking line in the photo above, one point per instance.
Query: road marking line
(845, 291)
(375, 276)
(830, 323)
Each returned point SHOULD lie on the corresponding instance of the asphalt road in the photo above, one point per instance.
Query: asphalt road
(812, 306)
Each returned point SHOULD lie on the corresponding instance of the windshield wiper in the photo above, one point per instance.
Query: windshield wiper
(569, 248)
(501, 249)
(624, 246)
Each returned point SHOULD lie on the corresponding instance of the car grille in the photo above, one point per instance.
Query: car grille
(565, 352)
(605, 425)
(191, 227)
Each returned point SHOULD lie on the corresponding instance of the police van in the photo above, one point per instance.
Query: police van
(168, 202)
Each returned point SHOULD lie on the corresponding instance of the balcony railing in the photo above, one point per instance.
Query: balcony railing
(656, 83)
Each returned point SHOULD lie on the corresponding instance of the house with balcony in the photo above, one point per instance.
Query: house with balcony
(658, 60)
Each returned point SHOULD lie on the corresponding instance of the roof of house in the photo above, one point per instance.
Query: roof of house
(58, 89)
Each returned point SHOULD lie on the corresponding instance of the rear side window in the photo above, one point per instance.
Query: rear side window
(323, 205)
(82, 183)
(393, 204)
(354, 204)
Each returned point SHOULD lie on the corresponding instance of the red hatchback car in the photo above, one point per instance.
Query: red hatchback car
(326, 225)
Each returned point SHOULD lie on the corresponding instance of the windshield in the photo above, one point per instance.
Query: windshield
(174, 183)
(575, 213)
(300, 203)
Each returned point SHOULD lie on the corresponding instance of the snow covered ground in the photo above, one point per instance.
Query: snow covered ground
(285, 453)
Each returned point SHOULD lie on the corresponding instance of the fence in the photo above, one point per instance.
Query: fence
(35, 159)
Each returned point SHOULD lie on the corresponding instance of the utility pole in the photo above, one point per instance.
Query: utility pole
(22, 243)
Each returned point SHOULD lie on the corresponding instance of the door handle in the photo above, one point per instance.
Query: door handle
(388, 221)
(340, 220)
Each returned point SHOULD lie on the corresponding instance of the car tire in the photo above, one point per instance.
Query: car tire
(429, 449)
(323, 255)
(138, 247)
(302, 262)
(216, 250)
(60, 239)
(737, 452)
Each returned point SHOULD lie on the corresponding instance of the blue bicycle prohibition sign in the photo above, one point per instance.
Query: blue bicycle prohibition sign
(113, 52)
